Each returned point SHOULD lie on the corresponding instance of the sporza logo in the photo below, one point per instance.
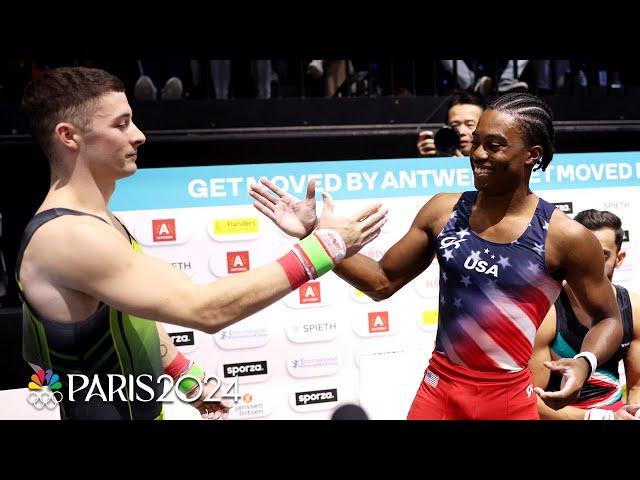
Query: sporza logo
(245, 369)
(317, 396)
(49, 384)
(564, 207)
(181, 339)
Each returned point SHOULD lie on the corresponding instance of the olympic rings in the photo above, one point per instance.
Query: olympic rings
(41, 400)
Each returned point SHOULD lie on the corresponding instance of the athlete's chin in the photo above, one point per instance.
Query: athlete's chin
(129, 170)
(481, 184)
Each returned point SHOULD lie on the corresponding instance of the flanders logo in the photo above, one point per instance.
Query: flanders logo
(45, 386)
(164, 230)
(235, 226)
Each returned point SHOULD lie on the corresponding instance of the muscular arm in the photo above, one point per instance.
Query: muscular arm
(103, 265)
(542, 349)
(542, 353)
(632, 360)
(405, 260)
(580, 255)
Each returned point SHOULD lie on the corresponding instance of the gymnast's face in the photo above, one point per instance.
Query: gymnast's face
(612, 257)
(500, 158)
(110, 145)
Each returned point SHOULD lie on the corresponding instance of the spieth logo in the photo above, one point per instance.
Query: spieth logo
(50, 383)
(564, 207)
(245, 369)
(317, 396)
(310, 293)
(164, 230)
(237, 262)
(378, 322)
(182, 339)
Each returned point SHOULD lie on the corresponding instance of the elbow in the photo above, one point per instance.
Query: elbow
(381, 292)
(210, 328)
(202, 316)
(212, 322)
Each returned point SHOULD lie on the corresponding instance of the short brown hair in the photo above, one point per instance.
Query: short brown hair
(65, 94)
(599, 219)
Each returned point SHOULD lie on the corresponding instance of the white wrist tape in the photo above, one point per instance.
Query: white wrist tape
(599, 414)
(593, 361)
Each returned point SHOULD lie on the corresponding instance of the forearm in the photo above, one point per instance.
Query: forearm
(365, 274)
(240, 295)
(603, 339)
(633, 396)
(168, 351)
(566, 413)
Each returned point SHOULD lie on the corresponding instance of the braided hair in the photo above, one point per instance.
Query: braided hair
(535, 119)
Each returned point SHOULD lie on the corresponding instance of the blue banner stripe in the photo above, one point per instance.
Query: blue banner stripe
(182, 187)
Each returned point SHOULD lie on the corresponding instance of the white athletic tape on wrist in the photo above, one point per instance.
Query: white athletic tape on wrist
(591, 358)
(599, 414)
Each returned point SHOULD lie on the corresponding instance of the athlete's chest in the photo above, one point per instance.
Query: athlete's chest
(472, 260)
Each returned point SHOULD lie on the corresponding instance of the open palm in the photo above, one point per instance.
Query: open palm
(294, 217)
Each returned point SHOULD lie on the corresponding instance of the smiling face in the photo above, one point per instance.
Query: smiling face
(501, 160)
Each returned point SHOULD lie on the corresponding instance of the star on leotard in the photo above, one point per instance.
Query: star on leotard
(447, 255)
(504, 261)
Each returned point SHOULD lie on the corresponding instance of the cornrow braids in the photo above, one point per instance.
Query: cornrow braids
(535, 118)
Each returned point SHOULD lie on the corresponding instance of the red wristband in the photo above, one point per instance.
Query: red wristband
(295, 271)
(177, 366)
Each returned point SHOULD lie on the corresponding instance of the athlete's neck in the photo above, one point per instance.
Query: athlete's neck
(494, 207)
(78, 190)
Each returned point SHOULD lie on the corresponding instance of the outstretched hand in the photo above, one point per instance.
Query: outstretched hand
(294, 217)
(357, 230)
(574, 374)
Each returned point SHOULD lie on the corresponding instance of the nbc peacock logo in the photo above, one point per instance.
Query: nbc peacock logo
(44, 388)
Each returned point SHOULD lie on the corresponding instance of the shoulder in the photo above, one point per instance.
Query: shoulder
(434, 214)
(568, 236)
(70, 241)
(440, 204)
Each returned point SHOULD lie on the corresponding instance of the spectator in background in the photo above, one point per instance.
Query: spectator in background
(463, 113)
(509, 82)
(335, 73)
(170, 71)
(261, 72)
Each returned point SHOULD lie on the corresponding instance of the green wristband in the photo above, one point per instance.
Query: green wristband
(316, 253)
(187, 383)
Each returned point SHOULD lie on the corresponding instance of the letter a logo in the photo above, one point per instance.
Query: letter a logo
(164, 230)
(378, 322)
(237, 262)
(310, 293)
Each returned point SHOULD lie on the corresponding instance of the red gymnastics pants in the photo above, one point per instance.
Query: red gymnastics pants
(452, 392)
